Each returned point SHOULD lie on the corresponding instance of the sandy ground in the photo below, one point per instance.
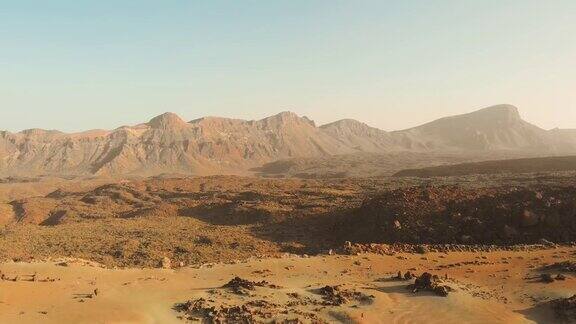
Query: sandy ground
(494, 287)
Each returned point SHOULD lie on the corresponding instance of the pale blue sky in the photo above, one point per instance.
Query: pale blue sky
(79, 64)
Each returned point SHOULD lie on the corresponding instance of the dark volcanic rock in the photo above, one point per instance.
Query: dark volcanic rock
(547, 278)
(564, 266)
(429, 282)
(565, 308)
(241, 286)
(336, 296)
(447, 214)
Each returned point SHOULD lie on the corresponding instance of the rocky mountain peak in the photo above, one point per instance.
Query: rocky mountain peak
(345, 124)
(166, 121)
(499, 112)
(286, 118)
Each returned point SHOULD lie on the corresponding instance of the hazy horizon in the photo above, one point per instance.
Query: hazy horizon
(147, 119)
(79, 65)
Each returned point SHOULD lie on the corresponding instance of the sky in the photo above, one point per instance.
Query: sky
(76, 64)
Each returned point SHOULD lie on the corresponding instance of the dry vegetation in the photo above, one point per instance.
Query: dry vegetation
(224, 218)
(473, 248)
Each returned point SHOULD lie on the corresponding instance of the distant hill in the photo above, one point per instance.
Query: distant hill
(527, 165)
(493, 128)
(213, 145)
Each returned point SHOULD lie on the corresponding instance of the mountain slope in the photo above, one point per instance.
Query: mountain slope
(212, 145)
(360, 136)
(493, 128)
(166, 144)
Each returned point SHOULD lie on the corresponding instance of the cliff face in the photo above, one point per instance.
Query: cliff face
(211, 145)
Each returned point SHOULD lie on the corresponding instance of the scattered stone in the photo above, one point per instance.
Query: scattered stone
(564, 266)
(336, 296)
(256, 311)
(429, 282)
(241, 286)
(166, 263)
(421, 249)
(409, 275)
(546, 242)
(546, 277)
(560, 277)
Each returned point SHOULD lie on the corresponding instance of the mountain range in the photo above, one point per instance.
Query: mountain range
(213, 145)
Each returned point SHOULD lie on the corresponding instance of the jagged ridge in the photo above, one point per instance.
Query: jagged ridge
(212, 145)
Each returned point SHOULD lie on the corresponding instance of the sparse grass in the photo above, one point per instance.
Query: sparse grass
(208, 219)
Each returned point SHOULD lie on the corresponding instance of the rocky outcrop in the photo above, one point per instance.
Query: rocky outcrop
(450, 214)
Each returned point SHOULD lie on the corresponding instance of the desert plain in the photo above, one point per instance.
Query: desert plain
(232, 249)
(466, 219)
